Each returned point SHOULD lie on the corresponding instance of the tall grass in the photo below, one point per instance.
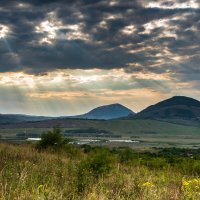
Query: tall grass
(70, 173)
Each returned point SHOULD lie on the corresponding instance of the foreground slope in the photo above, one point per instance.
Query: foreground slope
(89, 173)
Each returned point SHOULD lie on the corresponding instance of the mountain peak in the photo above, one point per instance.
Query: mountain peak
(180, 100)
(111, 111)
(114, 105)
(177, 107)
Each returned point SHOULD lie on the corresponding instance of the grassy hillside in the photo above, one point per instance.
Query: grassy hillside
(151, 133)
(92, 173)
(121, 127)
(146, 126)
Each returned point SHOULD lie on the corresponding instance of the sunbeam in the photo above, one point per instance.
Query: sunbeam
(63, 64)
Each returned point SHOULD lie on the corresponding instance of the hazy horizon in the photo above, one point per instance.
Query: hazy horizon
(62, 58)
(86, 111)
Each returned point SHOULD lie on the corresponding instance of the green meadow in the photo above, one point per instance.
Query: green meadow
(151, 133)
(91, 173)
(120, 127)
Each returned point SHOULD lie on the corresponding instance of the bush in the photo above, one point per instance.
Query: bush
(50, 139)
(67, 141)
(126, 155)
(98, 163)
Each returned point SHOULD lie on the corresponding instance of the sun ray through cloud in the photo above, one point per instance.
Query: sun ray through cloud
(85, 54)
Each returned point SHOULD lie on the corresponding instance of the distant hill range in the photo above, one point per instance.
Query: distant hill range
(112, 111)
(106, 112)
(175, 108)
(178, 109)
(17, 118)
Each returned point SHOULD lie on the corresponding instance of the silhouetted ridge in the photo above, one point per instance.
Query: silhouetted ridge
(180, 100)
(178, 107)
(111, 111)
(17, 118)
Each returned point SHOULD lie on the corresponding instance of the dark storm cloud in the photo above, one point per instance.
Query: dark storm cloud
(100, 34)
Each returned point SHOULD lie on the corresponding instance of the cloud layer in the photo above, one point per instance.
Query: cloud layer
(156, 36)
(153, 44)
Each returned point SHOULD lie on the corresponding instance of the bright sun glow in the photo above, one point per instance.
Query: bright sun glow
(48, 28)
(4, 30)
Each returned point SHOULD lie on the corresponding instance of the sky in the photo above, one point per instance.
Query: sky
(65, 57)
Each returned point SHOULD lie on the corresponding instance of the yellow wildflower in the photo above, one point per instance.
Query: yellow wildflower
(185, 183)
(148, 184)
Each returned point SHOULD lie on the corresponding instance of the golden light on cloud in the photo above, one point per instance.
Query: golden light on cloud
(60, 95)
(128, 97)
(77, 78)
(17, 79)
(93, 87)
(188, 85)
(152, 76)
(86, 79)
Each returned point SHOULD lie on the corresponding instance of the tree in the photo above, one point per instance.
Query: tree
(50, 139)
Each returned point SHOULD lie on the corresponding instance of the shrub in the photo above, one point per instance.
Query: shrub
(126, 155)
(67, 141)
(50, 139)
(97, 163)
(86, 148)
